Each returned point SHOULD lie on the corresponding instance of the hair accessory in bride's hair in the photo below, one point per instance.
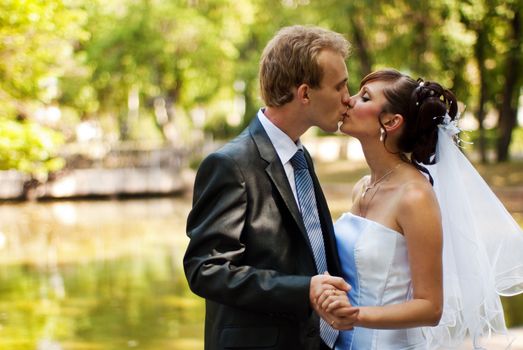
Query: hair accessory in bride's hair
(421, 84)
(451, 128)
(448, 125)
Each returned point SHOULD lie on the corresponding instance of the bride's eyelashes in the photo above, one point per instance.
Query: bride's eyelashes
(364, 95)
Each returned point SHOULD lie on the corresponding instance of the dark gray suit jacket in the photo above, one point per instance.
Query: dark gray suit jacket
(249, 255)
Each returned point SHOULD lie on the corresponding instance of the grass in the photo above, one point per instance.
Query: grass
(509, 174)
(341, 171)
(338, 177)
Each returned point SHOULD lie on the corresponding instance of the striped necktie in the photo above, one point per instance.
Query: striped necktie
(311, 219)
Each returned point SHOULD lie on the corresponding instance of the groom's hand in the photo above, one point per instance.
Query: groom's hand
(336, 309)
(321, 287)
(322, 283)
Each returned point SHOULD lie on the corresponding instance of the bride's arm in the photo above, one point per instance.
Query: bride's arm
(419, 217)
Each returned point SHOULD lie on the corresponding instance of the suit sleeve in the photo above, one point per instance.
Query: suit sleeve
(213, 260)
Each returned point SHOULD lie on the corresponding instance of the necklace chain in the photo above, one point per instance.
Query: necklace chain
(371, 186)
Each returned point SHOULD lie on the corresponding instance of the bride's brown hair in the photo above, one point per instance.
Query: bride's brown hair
(423, 105)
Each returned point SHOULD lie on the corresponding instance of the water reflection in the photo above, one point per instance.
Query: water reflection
(104, 275)
(96, 275)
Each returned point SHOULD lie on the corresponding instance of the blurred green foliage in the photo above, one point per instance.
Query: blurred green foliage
(121, 61)
(29, 147)
(36, 47)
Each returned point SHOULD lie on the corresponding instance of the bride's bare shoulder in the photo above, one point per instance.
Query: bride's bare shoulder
(417, 194)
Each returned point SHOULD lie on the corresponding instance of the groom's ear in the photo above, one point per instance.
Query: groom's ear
(393, 122)
(302, 93)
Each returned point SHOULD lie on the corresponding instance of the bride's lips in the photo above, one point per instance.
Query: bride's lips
(345, 113)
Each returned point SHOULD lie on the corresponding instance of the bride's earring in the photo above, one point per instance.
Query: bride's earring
(382, 134)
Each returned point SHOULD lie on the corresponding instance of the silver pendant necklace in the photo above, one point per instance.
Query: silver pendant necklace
(371, 186)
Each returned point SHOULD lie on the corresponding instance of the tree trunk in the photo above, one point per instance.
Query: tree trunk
(361, 44)
(509, 104)
(251, 106)
(161, 115)
(480, 58)
(420, 42)
(123, 125)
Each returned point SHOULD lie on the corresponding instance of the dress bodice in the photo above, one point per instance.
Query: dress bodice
(375, 263)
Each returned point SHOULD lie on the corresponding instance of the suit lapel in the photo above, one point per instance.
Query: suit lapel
(278, 177)
(276, 172)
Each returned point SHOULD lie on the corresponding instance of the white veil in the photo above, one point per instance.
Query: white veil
(482, 249)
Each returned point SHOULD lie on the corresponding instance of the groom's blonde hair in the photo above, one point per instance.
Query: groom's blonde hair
(291, 59)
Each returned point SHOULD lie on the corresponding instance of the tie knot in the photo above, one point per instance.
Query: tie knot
(298, 160)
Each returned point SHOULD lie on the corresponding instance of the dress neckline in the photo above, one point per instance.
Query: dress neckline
(375, 223)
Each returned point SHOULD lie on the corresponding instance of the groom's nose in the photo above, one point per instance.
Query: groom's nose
(346, 98)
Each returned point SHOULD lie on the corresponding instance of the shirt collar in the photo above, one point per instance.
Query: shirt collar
(285, 147)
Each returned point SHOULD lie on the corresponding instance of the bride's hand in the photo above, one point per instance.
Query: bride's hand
(324, 286)
(332, 299)
(338, 311)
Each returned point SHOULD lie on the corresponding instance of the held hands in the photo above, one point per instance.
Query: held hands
(328, 296)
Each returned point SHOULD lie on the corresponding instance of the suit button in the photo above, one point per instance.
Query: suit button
(312, 332)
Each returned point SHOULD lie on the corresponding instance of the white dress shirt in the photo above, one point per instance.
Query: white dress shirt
(285, 148)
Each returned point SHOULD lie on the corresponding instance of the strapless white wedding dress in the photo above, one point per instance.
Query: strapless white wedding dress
(375, 263)
(482, 259)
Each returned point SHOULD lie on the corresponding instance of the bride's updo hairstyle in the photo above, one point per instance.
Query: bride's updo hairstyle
(423, 105)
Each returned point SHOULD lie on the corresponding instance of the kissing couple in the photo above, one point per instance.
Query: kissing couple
(419, 260)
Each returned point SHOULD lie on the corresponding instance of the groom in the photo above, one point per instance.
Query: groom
(261, 235)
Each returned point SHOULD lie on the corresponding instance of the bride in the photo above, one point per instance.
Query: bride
(427, 247)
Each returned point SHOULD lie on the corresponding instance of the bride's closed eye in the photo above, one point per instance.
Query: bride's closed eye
(365, 97)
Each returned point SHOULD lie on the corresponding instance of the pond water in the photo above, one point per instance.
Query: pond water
(96, 275)
(103, 275)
